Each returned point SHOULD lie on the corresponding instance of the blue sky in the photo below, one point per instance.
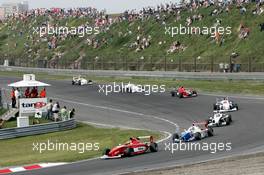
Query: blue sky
(112, 6)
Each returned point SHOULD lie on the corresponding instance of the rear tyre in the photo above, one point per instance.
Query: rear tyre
(128, 152)
(197, 136)
(230, 118)
(215, 107)
(173, 94)
(210, 132)
(106, 151)
(180, 95)
(153, 147)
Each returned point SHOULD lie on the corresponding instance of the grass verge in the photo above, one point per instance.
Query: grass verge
(20, 151)
(13, 122)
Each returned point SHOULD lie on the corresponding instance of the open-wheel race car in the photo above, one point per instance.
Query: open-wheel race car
(134, 146)
(225, 105)
(132, 88)
(79, 80)
(197, 131)
(181, 92)
(219, 119)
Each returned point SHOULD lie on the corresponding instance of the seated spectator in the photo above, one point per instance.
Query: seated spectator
(243, 10)
(2, 123)
(43, 93)
(176, 47)
(27, 93)
(244, 32)
(34, 92)
(261, 27)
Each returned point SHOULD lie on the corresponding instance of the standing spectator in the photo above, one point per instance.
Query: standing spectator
(232, 65)
(55, 111)
(13, 98)
(72, 113)
(17, 96)
(226, 68)
(49, 110)
(64, 114)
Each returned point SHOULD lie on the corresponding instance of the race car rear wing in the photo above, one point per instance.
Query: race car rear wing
(149, 138)
(201, 124)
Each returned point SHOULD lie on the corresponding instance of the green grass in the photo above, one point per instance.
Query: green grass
(117, 49)
(2, 111)
(250, 87)
(13, 122)
(20, 151)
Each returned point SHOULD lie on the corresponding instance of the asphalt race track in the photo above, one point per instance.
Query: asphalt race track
(155, 112)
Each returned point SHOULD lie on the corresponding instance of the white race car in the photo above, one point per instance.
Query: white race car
(78, 80)
(132, 88)
(220, 119)
(196, 132)
(225, 105)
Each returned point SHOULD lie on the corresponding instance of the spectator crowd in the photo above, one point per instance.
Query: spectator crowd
(142, 40)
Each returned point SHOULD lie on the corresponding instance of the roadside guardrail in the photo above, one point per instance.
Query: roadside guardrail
(37, 129)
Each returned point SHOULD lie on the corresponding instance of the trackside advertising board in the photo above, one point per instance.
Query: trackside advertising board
(31, 105)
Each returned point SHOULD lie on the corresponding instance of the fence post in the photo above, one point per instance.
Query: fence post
(1, 104)
(138, 64)
(249, 64)
(180, 64)
(212, 64)
(102, 64)
(165, 63)
(195, 64)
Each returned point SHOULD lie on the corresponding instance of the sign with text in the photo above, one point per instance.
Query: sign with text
(31, 105)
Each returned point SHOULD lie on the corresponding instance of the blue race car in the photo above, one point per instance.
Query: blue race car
(197, 131)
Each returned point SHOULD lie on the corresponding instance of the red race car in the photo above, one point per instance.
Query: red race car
(181, 92)
(133, 147)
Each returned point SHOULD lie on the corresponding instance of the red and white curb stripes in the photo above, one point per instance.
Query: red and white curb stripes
(29, 167)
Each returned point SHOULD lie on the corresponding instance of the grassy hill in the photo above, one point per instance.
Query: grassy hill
(121, 36)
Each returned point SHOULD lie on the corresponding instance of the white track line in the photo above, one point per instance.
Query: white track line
(119, 110)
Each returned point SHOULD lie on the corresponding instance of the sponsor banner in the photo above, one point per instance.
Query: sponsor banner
(31, 105)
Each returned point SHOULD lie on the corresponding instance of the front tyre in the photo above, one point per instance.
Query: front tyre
(106, 151)
(153, 147)
(210, 132)
(197, 136)
(128, 152)
(175, 136)
(180, 95)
